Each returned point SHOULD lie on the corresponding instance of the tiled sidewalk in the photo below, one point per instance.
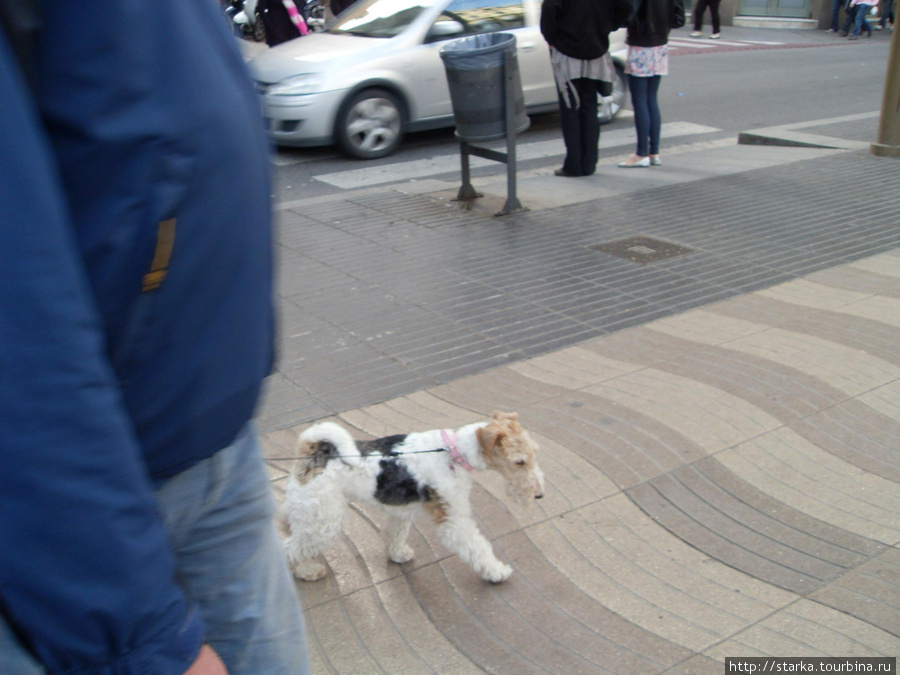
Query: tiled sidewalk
(723, 467)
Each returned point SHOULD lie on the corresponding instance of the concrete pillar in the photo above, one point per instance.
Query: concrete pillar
(888, 144)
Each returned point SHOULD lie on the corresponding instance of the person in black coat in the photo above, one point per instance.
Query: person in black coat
(578, 34)
(279, 26)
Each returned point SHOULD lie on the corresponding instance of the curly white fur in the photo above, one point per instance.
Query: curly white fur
(403, 479)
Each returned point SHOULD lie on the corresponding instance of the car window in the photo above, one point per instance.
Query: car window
(379, 18)
(482, 16)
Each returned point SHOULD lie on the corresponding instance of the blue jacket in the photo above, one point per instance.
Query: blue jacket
(122, 360)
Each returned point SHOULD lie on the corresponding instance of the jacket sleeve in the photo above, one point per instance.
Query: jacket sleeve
(624, 12)
(550, 10)
(87, 578)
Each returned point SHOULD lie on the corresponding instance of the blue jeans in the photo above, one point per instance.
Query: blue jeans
(219, 517)
(859, 22)
(835, 13)
(647, 120)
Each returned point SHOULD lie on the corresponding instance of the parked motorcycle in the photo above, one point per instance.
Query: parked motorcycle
(245, 19)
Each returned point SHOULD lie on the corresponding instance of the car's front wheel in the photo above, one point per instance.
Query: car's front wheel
(611, 105)
(370, 124)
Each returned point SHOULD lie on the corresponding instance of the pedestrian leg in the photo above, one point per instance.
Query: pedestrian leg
(638, 86)
(219, 514)
(590, 125)
(653, 109)
(714, 16)
(698, 15)
(571, 130)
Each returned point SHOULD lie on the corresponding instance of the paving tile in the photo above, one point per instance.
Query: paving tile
(870, 593)
(642, 573)
(712, 418)
(573, 368)
(792, 470)
(624, 445)
(858, 434)
(845, 368)
(809, 629)
(614, 643)
(439, 592)
(692, 505)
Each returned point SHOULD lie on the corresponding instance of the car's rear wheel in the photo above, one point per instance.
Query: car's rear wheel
(611, 105)
(370, 124)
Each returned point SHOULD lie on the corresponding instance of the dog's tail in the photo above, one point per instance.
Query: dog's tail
(318, 445)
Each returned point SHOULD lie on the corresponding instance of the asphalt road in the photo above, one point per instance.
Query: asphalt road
(751, 78)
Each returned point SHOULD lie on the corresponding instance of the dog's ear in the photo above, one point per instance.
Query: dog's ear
(503, 416)
(489, 437)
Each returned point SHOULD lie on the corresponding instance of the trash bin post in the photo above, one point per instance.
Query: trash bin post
(512, 201)
(488, 104)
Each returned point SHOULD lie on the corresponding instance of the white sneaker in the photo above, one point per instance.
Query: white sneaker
(697, 33)
(715, 36)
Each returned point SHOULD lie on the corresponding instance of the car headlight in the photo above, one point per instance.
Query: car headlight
(299, 85)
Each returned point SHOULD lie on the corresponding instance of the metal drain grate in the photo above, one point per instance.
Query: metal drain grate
(642, 249)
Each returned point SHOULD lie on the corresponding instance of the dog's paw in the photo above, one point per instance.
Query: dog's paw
(309, 570)
(497, 573)
(401, 554)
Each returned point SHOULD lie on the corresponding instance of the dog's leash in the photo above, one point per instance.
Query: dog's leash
(371, 454)
(450, 441)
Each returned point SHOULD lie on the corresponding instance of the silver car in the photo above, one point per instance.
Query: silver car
(376, 73)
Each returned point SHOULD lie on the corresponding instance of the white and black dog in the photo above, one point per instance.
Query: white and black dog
(403, 475)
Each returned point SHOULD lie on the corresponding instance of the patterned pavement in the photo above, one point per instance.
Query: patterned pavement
(719, 430)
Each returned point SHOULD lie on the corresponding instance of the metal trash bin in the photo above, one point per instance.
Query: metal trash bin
(475, 75)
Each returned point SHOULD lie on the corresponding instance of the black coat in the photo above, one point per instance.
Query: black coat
(279, 27)
(652, 21)
(580, 28)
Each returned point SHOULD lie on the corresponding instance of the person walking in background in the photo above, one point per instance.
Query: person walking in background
(887, 15)
(860, 10)
(282, 20)
(578, 34)
(835, 15)
(136, 328)
(699, 10)
(647, 62)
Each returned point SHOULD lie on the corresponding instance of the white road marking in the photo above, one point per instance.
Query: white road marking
(420, 168)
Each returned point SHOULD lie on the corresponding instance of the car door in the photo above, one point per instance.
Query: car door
(462, 18)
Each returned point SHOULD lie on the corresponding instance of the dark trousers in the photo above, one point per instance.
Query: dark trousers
(581, 129)
(835, 14)
(713, 13)
(647, 120)
(887, 13)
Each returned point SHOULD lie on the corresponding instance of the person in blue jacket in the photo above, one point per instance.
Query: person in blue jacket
(136, 327)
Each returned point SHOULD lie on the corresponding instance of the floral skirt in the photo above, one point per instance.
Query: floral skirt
(647, 61)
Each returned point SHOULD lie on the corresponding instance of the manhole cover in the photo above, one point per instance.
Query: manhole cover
(642, 249)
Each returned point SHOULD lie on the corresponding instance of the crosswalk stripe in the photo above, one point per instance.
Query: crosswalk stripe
(420, 168)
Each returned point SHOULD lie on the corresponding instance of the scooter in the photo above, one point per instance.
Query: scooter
(245, 19)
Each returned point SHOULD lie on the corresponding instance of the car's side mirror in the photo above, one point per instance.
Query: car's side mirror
(442, 30)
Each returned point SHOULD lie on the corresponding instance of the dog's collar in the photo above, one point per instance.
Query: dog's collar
(456, 456)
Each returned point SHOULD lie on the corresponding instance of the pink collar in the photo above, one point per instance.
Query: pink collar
(456, 457)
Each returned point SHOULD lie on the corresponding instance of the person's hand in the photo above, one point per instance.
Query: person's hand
(207, 663)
